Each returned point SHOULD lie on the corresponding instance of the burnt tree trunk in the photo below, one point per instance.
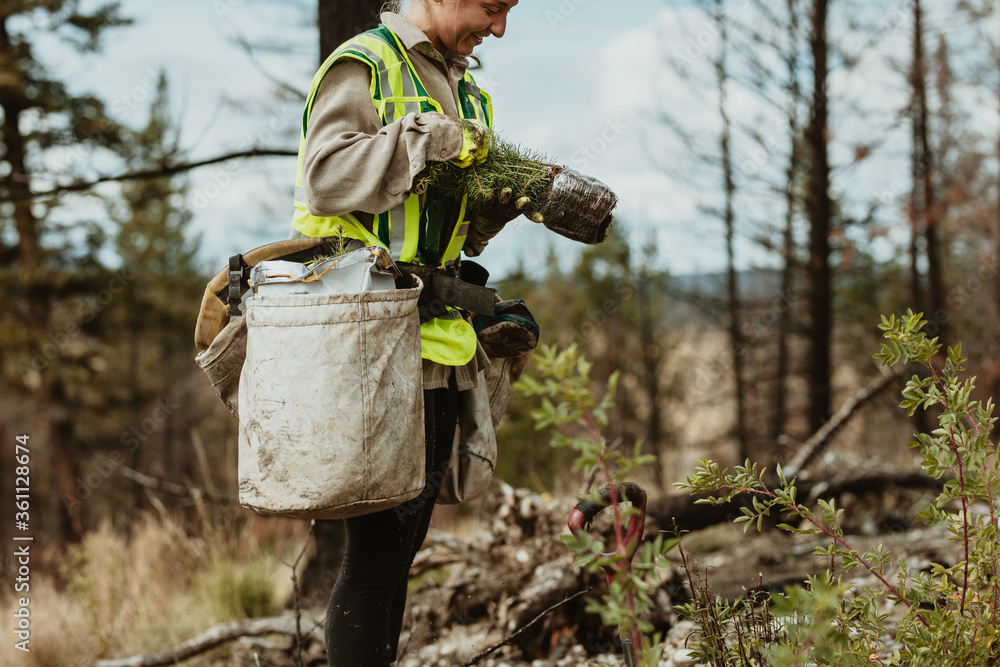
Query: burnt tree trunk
(339, 20)
(736, 343)
(820, 212)
(923, 172)
(652, 357)
(788, 235)
(32, 285)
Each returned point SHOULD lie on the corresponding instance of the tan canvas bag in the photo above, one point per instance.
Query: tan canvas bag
(328, 389)
(223, 341)
(331, 404)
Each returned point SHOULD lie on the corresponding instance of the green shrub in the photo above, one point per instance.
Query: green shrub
(569, 405)
(949, 613)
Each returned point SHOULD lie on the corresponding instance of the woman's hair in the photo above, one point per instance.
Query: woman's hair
(393, 6)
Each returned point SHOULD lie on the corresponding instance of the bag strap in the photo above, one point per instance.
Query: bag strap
(239, 275)
(450, 286)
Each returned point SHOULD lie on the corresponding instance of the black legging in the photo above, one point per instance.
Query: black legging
(365, 615)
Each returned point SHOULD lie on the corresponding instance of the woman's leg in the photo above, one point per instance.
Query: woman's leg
(440, 419)
(366, 607)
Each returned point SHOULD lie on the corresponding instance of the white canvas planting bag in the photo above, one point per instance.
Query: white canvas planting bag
(331, 402)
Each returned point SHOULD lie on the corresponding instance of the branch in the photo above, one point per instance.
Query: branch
(158, 172)
(483, 654)
(214, 636)
(283, 85)
(808, 450)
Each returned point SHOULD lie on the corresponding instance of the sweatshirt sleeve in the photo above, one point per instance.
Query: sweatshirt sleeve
(352, 162)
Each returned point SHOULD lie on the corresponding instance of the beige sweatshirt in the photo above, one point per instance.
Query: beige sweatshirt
(354, 164)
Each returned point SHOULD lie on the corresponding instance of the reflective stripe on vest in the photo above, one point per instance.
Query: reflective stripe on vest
(396, 90)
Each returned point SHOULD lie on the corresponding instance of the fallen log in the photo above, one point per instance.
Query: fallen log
(682, 508)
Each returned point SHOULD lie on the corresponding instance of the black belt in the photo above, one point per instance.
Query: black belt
(443, 287)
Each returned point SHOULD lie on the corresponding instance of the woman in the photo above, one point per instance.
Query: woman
(382, 106)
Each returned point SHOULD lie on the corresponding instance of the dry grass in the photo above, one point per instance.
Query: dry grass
(155, 585)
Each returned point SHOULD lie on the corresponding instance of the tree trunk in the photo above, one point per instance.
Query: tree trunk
(652, 358)
(737, 346)
(788, 236)
(923, 171)
(15, 187)
(820, 212)
(339, 20)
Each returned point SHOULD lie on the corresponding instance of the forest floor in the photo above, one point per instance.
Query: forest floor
(493, 577)
(472, 592)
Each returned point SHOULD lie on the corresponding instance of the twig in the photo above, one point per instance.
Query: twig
(483, 654)
(295, 592)
(284, 85)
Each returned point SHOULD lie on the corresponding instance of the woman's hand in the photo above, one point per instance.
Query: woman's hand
(475, 144)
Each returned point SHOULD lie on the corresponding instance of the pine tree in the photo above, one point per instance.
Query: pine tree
(48, 134)
(153, 323)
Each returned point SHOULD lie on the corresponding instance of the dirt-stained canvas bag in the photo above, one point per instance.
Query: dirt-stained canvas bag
(331, 404)
(223, 362)
(322, 367)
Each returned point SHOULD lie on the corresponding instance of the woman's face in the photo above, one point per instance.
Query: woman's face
(459, 26)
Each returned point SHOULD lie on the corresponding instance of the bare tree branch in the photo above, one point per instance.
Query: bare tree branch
(808, 450)
(161, 171)
(283, 85)
(163, 485)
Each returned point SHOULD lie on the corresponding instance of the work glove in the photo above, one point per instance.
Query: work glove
(490, 216)
(475, 143)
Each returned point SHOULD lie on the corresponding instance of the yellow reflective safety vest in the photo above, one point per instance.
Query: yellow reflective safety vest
(396, 90)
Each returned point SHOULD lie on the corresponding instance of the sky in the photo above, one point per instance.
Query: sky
(585, 82)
